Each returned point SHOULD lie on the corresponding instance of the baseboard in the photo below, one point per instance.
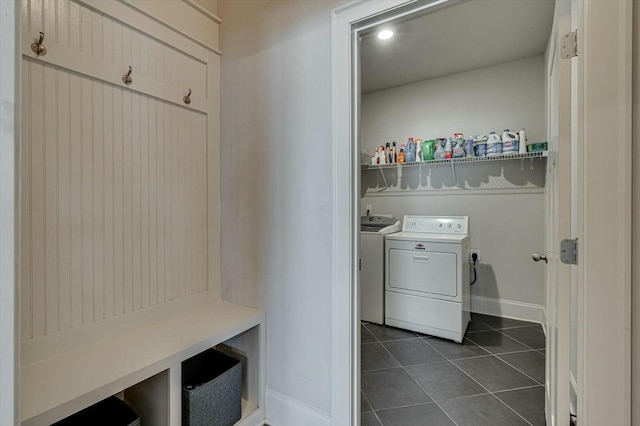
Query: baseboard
(282, 410)
(508, 309)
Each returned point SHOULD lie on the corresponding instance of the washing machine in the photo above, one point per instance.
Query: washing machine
(427, 276)
(372, 232)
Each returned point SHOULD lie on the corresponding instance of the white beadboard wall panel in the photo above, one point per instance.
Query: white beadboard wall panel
(89, 42)
(114, 202)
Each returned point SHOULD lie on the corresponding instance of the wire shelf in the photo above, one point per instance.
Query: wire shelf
(503, 157)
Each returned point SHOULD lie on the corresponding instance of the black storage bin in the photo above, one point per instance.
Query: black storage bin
(110, 412)
(211, 390)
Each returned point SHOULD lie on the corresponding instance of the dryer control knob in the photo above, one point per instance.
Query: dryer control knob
(449, 225)
(459, 226)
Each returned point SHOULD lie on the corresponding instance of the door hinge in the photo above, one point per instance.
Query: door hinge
(569, 45)
(569, 252)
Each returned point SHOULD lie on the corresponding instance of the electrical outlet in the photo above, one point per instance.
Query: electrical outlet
(369, 210)
(476, 252)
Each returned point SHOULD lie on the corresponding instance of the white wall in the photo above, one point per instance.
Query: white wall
(505, 204)
(495, 98)
(635, 220)
(9, 359)
(276, 188)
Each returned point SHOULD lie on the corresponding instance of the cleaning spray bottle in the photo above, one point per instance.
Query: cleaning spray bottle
(458, 148)
(448, 148)
(440, 153)
(382, 155)
(419, 149)
(522, 148)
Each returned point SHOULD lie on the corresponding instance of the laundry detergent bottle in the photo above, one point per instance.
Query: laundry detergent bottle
(429, 149)
(410, 151)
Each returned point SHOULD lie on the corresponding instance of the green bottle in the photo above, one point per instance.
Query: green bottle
(428, 149)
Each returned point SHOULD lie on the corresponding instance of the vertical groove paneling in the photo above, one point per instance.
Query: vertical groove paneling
(64, 202)
(87, 176)
(51, 185)
(109, 181)
(127, 295)
(25, 208)
(114, 190)
(118, 203)
(75, 129)
(144, 200)
(153, 205)
(98, 200)
(38, 191)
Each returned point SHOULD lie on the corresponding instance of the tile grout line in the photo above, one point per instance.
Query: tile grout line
(517, 369)
(482, 386)
(418, 384)
(459, 368)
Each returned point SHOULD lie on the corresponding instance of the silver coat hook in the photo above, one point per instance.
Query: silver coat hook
(37, 47)
(127, 77)
(187, 99)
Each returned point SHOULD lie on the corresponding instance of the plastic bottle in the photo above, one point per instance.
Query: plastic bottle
(428, 149)
(468, 148)
(419, 149)
(494, 145)
(480, 145)
(509, 142)
(410, 151)
(375, 159)
(382, 155)
(448, 148)
(440, 153)
(401, 154)
(522, 148)
(458, 145)
(388, 153)
(394, 153)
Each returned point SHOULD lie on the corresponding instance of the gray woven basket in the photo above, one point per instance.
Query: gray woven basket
(211, 390)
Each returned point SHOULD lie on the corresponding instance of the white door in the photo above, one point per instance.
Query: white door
(558, 223)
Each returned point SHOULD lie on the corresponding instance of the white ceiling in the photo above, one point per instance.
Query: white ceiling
(466, 36)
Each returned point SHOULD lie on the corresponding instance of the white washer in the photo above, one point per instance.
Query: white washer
(372, 232)
(427, 276)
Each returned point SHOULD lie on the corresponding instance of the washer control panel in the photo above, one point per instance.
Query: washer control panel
(436, 224)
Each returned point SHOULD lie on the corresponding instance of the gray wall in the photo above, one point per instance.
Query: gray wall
(276, 183)
(506, 205)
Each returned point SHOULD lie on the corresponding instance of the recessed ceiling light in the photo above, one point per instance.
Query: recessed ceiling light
(385, 34)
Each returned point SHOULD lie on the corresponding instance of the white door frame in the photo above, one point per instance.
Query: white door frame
(9, 132)
(604, 211)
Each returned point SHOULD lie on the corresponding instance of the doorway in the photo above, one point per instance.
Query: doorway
(444, 183)
(441, 74)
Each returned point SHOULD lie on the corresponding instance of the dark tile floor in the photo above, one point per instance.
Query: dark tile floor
(494, 378)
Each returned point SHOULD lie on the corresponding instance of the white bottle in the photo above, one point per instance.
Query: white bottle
(523, 143)
(509, 142)
(419, 150)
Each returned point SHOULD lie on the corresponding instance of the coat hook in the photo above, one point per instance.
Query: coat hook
(127, 77)
(187, 99)
(37, 47)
